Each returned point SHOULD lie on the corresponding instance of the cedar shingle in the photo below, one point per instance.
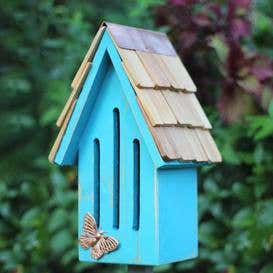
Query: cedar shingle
(152, 67)
(200, 112)
(186, 144)
(209, 145)
(156, 107)
(179, 107)
(186, 108)
(135, 68)
(199, 152)
(164, 143)
(179, 72)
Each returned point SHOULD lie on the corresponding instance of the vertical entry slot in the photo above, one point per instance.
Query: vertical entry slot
(97, 181)
(136, 187)
(116, 157)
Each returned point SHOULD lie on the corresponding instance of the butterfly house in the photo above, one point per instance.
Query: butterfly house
(137, 133)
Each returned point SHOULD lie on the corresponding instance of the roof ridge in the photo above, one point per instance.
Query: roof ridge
(107, 23)
(140, 39)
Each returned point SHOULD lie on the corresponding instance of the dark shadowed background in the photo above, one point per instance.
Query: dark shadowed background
(228, 48)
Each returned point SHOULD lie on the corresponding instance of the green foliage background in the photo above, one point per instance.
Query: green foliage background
(42, 44)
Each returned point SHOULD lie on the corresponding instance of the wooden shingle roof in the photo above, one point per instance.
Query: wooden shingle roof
(164, 90)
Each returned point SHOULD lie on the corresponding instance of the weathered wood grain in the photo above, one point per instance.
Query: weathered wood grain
(180, 141)
(186, 144)
(197, 148)
(180, 109)
(165, 146)
(209, 145)
(199, 111)
(186, 109)
(74, 94)
(188, 104)
(153, 68)
(174, 143)
(179, 73)
(136, 69)
(166, 72)
(156, 107)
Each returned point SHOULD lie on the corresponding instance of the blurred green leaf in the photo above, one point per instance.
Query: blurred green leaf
(267, 269)
(270, 109)
(220, 47)
(60, 241)
(57, 220)
(243, 218)
(31, 218)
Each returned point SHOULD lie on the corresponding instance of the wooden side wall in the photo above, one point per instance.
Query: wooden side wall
(178, 218)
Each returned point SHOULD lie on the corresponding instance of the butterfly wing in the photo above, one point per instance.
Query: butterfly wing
(87, 242)
(96, 251)
(105, 245)
(90, 226)
(108, 244)
(88, 239)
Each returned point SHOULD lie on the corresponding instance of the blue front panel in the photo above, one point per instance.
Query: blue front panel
(136, 247)
(178, 214)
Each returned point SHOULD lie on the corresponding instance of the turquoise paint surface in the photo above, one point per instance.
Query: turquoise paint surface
(178, 218)
(136, 246)
(106, 87)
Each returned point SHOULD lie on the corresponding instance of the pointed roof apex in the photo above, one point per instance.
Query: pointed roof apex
(164, 91)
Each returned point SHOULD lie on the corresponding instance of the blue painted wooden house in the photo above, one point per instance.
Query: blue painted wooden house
(137, 133)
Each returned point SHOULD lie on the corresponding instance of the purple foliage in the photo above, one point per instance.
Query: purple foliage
(239, 71)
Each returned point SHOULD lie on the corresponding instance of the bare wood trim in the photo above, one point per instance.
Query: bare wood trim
(58, 140)
(89, 55)
(74, 94)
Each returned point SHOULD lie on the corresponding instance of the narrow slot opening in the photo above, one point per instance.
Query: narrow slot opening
(116, 187)
(97, 181)
(136, 187)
